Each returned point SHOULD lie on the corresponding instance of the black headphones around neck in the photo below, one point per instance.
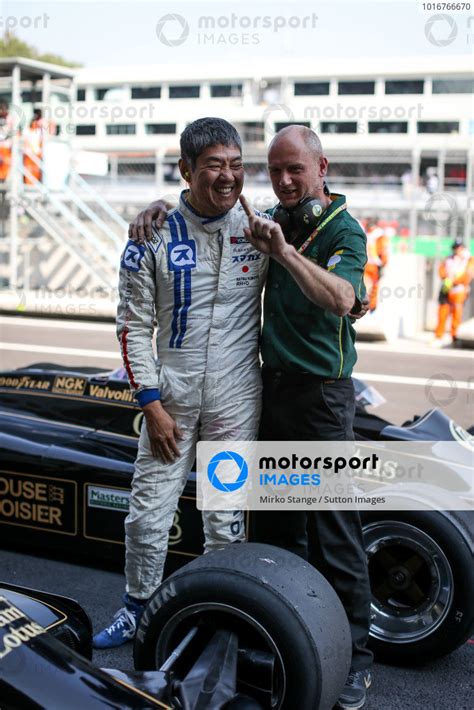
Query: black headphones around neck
(301, 219)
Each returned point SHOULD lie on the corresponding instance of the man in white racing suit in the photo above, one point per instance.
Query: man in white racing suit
(201, 280)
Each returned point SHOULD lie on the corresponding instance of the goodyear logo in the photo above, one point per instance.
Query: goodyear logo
(66, 384)
(24, 382)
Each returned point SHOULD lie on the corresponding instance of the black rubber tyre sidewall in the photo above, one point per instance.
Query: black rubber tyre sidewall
(310, 630)
(450, 531)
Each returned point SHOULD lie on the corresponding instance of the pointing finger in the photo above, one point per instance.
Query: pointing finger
(247, 209)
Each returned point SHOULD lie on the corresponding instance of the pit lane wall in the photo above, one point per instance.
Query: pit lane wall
(402, 301)
(400, 313)
(407, 303)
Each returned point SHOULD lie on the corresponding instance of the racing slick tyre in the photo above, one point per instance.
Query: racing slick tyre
(422, 578)
(281, 608)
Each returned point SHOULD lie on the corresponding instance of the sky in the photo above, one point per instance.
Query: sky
(116, 33)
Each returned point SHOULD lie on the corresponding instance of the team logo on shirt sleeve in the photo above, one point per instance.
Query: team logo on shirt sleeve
(334, 259)
(182, 255)
(132, 256)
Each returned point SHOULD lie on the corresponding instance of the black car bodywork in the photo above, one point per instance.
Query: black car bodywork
(45, 651)
(68, 440)
(236, 629)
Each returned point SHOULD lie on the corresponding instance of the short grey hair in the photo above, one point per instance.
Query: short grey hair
(204, 132)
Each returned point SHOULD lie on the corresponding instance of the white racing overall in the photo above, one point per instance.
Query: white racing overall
(201, 280)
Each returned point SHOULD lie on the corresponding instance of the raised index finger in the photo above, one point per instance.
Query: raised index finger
(247, 209)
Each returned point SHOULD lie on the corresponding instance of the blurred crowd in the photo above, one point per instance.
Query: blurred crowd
(456, 272)
(32, 135)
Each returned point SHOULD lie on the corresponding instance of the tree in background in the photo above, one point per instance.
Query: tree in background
(13, 46)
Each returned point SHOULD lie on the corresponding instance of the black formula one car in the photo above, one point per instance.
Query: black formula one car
(68, 439)
(236, 629)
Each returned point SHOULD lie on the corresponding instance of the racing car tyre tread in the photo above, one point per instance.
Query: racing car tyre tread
(454, 533)
(286, 596)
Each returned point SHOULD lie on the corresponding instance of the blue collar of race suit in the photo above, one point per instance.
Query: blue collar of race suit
(209, 224)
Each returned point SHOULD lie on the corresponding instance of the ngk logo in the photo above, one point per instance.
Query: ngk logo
(65, 384)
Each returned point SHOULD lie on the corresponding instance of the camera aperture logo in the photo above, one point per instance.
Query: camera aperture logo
(173, 29)
(441, 30)
(168, 37)
(240, 464)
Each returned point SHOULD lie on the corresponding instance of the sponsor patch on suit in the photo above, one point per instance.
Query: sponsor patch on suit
(132, 256)
(182, 256)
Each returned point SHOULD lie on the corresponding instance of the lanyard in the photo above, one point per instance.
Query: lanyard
(320, 227)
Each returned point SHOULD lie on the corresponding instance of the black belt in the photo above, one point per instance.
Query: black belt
(299, 377)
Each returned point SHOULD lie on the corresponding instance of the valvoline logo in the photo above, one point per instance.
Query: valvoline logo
(240, 466)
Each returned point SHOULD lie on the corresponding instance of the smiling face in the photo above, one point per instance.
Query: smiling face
(295, 170)
(216, 181)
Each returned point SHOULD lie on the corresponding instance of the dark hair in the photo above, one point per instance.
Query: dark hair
(205, 132)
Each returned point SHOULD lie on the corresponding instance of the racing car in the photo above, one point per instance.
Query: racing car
(68, 442)
(235, 629)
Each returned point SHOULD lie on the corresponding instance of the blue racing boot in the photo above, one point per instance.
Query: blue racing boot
(124, 626)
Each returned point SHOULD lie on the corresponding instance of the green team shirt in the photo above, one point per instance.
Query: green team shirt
(297, 334)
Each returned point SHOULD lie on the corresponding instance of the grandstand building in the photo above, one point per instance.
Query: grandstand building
(400, 124)
(398, 134)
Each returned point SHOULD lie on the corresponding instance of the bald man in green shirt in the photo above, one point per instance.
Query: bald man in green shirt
(317, 256)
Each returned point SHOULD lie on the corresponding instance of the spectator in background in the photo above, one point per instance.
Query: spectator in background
(5, 141)
(456, 272)
(432, 180)
(377, 259)
(33, 148)
(407, 184)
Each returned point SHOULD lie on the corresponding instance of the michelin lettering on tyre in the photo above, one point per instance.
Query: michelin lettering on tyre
(167, 592)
